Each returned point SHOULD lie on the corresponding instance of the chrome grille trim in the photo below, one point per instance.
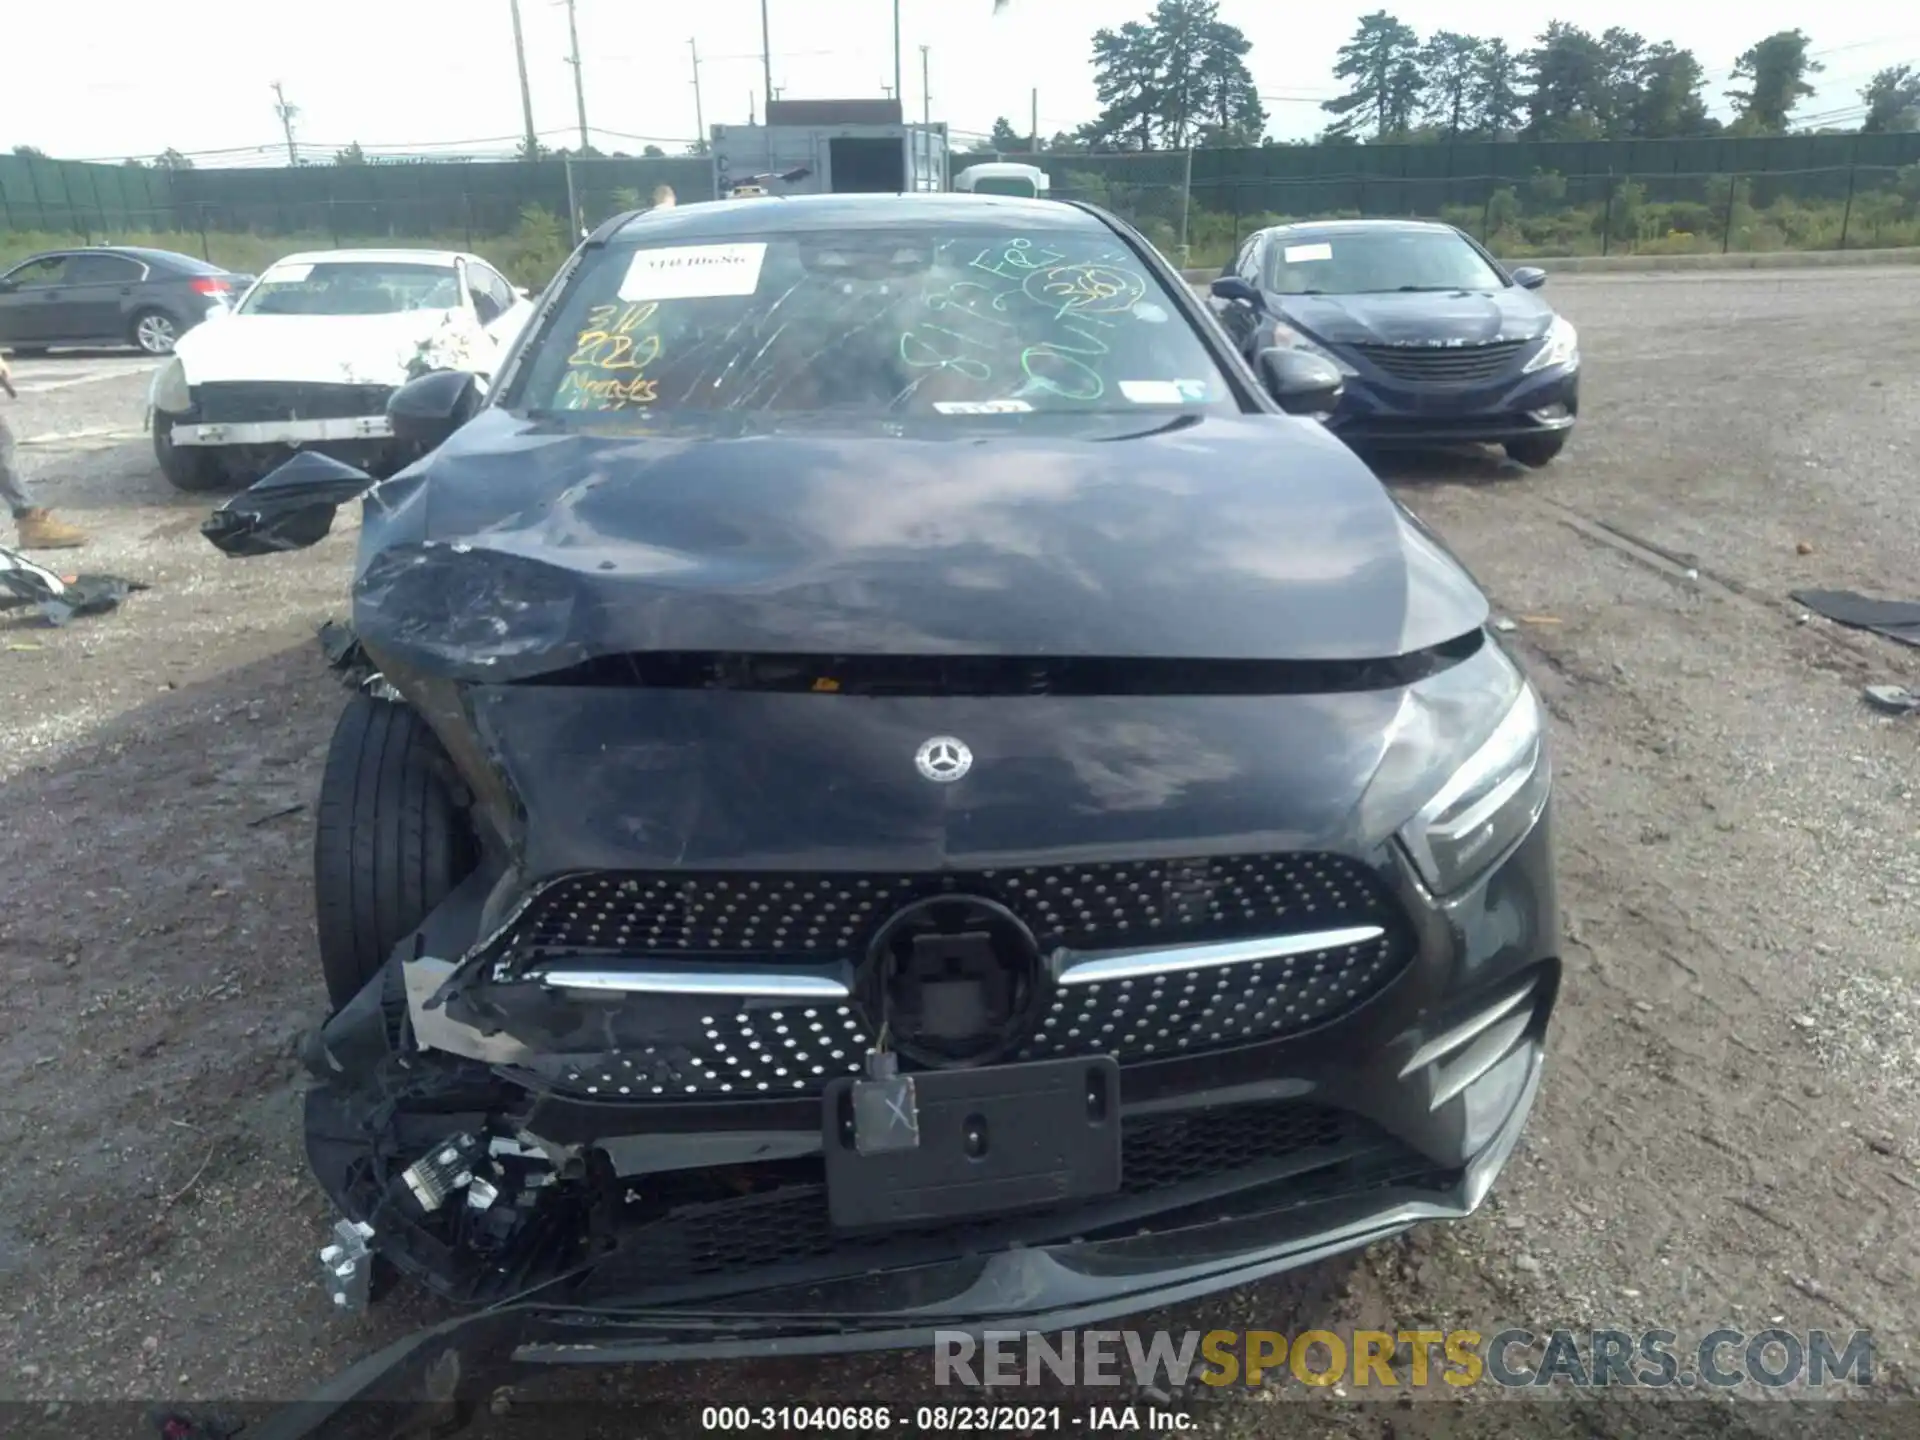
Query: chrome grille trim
(1136, 964)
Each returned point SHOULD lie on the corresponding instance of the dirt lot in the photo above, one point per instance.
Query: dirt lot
(1731, 1122)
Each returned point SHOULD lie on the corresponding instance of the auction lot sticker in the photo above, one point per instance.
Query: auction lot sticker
(689, 272)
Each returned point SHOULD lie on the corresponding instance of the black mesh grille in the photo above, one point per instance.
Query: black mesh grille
(1109, 905)
(1173, 1149)
(1444, 365)
(243, 402)
(1322, 1154)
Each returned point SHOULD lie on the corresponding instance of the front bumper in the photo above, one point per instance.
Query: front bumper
(1378, 411)
(283, 432)
(1429, 1083)
(1045, 1289)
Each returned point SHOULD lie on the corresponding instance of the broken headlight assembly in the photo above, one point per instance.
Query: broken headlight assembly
(461, 607)
(1465, 773)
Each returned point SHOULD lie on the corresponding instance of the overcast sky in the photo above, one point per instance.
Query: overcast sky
(196, 76)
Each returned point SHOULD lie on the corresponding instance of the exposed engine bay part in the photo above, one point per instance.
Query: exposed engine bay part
(347, 1265)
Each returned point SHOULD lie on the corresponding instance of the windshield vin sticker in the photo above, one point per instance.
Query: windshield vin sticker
(688, 272)
(983, 407)
(1152, 392)
(1296, 253)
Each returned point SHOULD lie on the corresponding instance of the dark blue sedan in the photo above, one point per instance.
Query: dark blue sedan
(1438, 342)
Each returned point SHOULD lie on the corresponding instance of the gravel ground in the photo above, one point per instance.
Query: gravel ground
(1729, 1129)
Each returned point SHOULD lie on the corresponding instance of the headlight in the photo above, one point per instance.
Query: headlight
(169, 391)
(1487, 804)
(1464, 772)
(1285, 337)
(1562, 347)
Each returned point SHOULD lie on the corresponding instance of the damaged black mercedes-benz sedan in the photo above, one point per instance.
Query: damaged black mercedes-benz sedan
(901, 785)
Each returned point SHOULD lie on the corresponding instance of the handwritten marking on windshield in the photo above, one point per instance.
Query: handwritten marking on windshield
(1085, 289)
(609, 393)
(919, 353)
(1015, 259)
(1061, 374)
(607, 343)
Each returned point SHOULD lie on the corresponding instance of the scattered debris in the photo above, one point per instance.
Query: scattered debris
(1894, 699)
(59, 597)
(1895, 619)
(1503, 625)
(344, 653)
(1803, 548)
(272, 815)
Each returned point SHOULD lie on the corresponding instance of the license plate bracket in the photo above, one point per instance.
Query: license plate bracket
(987, 1141)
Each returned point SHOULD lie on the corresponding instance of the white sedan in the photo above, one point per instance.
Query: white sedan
(309, 356)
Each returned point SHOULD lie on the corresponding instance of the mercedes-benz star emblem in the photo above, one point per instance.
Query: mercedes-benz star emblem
(944, 759)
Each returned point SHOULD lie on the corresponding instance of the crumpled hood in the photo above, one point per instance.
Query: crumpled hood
(519, 548)
(1472, 317)
(342, 349)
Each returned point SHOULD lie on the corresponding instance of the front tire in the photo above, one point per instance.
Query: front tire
(1534, 451)
(389, 843)
(191, 467)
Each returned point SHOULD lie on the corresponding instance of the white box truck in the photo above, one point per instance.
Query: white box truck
(813, 147)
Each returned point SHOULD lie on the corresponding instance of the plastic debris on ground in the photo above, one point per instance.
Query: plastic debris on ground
(1895, 619)
(58, 598)
(1894, 699)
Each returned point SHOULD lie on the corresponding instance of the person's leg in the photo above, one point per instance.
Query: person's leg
(13, 490)
(37, 529)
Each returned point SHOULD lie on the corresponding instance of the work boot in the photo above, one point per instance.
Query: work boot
(38, 530)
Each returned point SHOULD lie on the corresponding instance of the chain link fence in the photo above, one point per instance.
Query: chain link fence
(1199, 220)
(1195, 206)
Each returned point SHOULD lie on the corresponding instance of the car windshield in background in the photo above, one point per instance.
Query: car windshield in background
(1361, 262)
(355, 288)
(889, 320)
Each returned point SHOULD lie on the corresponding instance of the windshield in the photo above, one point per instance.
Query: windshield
(357, 287)
(914, 321)
(1357, 262)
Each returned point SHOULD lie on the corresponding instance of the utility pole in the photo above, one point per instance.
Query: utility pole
(766, 76)
(526, 92)
(286, 113)
(579, 78)
(1034, 134)
(898, 93)
(926, 94)
(699, 115)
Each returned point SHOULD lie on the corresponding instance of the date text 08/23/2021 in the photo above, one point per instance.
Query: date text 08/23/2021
(940, 1419)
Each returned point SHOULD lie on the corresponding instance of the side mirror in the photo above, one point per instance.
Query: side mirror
(1529, 277)
(426, 410)
(1233, 287)
(1303, 384)
(292, 508)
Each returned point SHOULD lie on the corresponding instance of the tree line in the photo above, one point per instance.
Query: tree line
(1180, 78)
